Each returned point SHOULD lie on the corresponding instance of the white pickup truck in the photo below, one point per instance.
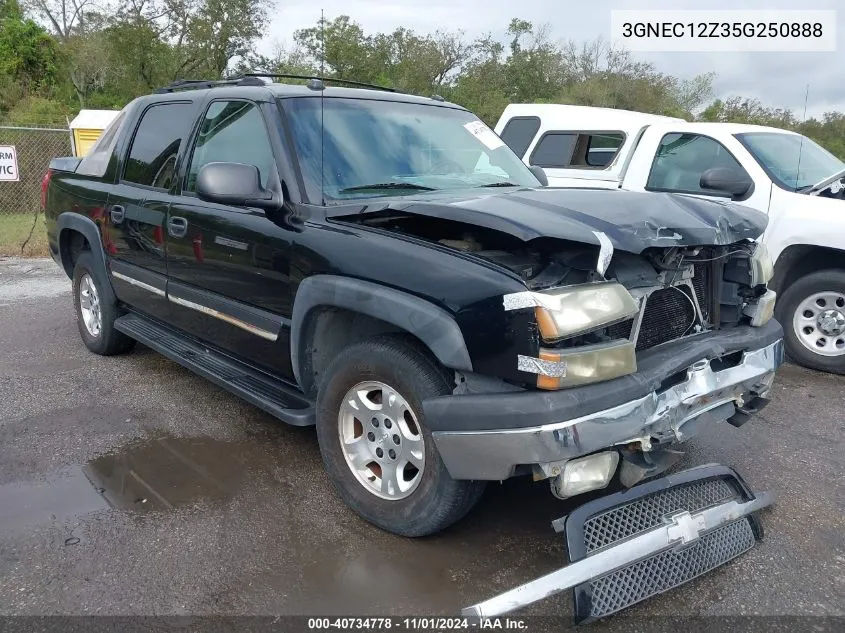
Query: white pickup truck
(788, 176)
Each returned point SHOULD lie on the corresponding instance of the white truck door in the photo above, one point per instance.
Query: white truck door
(673, 157)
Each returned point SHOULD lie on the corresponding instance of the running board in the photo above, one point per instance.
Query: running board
(274, 397)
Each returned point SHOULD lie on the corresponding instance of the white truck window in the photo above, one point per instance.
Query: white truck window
(554, 150)
(602, 149)
(519, 132)
(577, 149)
(681, 160)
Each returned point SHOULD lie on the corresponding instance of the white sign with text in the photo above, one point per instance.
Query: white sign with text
(8, 163)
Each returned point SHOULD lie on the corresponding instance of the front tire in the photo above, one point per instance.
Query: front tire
(376, 448)
(95, 316)
(812, 313)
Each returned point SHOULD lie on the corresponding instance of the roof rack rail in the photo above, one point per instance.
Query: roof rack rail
(318, 78)
(198, 84)
(315, 82)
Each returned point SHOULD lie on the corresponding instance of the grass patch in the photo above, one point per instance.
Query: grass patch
(15, 228)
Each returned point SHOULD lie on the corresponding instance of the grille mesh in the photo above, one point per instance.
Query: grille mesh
(647, 512)
(669, 314)
(669, 568)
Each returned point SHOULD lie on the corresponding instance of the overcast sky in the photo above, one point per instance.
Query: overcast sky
(777, 79)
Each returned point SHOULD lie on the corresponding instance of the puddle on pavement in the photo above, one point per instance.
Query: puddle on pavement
(167, 472)
(155, 474)
(64, 497)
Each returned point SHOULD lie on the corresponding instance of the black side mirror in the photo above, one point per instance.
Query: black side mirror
(540, 174)
(235, 184)
(731, 181)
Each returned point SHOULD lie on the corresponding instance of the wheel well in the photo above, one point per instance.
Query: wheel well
(801, 259)
(71, 244)
(328, 330)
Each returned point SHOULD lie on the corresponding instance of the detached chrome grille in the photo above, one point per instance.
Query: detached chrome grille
(671, 567)
(630, 545)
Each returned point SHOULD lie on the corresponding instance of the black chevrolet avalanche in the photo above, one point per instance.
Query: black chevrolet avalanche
(382, 266)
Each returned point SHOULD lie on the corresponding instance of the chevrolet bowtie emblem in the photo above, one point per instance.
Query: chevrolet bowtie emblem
(685, 527)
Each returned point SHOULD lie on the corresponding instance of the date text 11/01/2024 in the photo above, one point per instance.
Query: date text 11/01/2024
(417, 623)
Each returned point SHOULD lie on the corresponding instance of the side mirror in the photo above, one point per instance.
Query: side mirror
(540, 174)
(730, 181)
(235, 184)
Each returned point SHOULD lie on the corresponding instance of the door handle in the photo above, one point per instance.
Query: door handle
(117, 214)
(177, 227)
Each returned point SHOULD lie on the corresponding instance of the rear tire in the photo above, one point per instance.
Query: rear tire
(95, 316)
(812, 313)
(376, 448)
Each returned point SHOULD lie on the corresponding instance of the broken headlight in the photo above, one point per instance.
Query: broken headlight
(577, 309)
(762, 268)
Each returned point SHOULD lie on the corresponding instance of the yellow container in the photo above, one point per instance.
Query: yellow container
(87, 127)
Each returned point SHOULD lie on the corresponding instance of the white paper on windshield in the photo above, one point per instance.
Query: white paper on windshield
(484, 134)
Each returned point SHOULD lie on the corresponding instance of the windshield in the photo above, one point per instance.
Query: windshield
(380, 148)
(778, 154)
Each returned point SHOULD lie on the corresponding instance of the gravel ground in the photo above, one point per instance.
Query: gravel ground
(130, 486)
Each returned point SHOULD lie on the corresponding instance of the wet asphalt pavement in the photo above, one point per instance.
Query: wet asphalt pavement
(130, 486)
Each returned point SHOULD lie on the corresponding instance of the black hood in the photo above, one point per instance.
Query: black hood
(632, 221)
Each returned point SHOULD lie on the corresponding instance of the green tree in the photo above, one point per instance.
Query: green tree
(30, 60)
(28, 54)
(738, 109)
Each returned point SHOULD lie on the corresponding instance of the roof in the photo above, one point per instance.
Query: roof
(739, 128)
(567, 117)
(283, 90)
(94, 119)
(571, 117)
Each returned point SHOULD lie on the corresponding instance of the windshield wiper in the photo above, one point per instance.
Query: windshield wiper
(500, 184)
(823, 183)
(388, 185)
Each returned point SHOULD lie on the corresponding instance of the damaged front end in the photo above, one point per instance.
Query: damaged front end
(633, 330)
(629, 546)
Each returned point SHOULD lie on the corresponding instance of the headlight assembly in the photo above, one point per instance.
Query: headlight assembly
(577, 309)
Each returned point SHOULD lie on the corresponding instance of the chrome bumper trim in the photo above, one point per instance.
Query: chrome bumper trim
(667, 415)
(681, 529)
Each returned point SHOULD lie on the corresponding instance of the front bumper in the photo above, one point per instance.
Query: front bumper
(707, 394)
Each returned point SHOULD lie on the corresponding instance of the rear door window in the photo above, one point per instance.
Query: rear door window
(152, 157)
(519, 132)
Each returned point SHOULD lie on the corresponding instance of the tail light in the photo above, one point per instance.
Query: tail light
(45, 182)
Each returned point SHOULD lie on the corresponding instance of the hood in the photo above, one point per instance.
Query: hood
(631, 221)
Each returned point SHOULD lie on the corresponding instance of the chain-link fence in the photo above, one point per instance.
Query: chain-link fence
(22, 229)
